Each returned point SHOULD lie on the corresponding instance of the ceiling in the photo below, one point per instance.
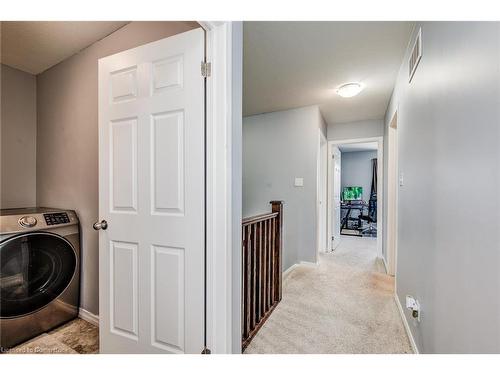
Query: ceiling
(36, 46)
(353, 147)
(294, 64)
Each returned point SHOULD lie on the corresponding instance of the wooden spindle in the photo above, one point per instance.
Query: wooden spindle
(271, 257)
(263, 270)
(261, 265)
(248, 275)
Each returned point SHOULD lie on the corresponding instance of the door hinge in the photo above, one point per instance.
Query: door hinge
(206, 351)
(206, 69)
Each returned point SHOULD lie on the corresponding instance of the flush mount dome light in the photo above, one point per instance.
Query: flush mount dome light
(349, 90)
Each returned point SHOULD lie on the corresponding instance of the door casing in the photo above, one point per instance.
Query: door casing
(224, 89)
(333, 234)
(380, 186)
(392, 195)
(322, 175)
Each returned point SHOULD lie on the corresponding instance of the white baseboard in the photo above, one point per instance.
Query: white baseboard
(385, 265)
(88, 317)
(289, 270)
(406, 325)
(309, 264)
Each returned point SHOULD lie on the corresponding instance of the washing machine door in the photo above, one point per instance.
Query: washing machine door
(35, 268)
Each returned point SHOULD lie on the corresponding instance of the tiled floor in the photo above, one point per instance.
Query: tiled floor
(74, 337)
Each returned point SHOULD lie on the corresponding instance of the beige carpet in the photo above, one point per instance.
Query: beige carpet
(345, 305)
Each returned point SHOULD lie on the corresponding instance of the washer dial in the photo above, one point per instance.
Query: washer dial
(27, 221)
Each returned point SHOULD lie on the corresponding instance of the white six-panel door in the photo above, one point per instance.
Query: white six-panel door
(151, 193)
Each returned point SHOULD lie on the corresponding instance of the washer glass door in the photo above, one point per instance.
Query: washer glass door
(35, 268)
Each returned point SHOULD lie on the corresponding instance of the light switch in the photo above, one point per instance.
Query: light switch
(299, 181)
(401, 179)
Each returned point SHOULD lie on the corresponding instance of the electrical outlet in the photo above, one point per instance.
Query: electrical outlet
(413, 305)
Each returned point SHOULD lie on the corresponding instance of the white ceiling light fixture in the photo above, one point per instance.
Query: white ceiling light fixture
(348, 90)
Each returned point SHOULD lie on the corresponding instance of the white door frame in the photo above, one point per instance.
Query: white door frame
(321, 196)
(392, 195)
(380, 184)
(330, 182)
(224, 49)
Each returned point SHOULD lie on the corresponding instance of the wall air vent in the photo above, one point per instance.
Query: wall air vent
(415, 56)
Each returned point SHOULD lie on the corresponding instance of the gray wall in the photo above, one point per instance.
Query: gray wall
(449, 132)
(67, 146)
(18, 138)
(357, 129)
(357, 170)
(277, 147)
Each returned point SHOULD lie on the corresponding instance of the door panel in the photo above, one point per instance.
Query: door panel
(123, 168)
(123, 287)
(167, 306)
(151, 193)
(167, 158)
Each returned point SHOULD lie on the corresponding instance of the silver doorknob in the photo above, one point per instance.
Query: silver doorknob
(103, 224)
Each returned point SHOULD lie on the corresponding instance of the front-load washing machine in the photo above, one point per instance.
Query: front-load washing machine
(39, 272)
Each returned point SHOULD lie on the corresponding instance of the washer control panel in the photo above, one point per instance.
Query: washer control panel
(56, 218)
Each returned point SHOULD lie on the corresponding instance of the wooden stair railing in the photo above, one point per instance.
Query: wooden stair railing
(261, 269)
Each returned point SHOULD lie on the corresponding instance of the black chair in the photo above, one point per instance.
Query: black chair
(371, 218)
(350, 221)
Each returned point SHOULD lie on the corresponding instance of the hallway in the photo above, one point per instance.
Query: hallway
(345, 305)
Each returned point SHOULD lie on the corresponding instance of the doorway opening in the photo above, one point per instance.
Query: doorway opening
(355, 191)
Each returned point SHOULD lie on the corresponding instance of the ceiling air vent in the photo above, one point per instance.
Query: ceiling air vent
(416, 55)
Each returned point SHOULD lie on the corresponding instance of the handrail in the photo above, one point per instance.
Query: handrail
(262, 240)
(257, 218)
